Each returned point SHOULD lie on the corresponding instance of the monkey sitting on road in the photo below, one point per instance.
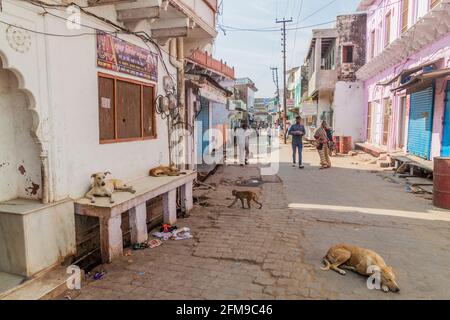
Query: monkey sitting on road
(248, 195)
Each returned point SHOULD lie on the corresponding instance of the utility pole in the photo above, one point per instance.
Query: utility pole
(283, 40)
(275, 81)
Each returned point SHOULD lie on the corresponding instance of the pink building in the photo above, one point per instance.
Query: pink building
(407, 76)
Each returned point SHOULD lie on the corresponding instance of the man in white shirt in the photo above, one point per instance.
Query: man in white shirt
(243, 142)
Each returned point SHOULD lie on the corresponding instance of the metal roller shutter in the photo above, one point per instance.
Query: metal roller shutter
(421, 123)
(445, 150)
(203, 121)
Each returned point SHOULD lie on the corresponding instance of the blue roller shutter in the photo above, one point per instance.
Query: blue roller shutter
(421, 123)
(445, 150)
(202, 128)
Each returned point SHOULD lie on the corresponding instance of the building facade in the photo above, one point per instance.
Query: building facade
(348, 117)
(406, 76)
(293, 89)
(81, 97)
(245, 90)
(330, 68)
(206, 94)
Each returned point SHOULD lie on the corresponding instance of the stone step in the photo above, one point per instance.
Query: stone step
(419, 181)
(46, 286)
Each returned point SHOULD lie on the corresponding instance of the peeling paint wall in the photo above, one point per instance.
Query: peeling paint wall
(351, 32)
(348, 116)
(20, 174)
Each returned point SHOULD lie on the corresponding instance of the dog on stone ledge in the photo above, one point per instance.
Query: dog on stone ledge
(162, 171)
(100, 187)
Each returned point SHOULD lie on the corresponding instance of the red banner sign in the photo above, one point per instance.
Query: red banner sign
(121, 56)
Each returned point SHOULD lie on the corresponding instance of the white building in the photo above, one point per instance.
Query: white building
(334, 93)
(76, 99)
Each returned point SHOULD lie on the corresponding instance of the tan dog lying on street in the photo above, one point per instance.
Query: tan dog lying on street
(162, 171)
(362, 261)
(101, 187)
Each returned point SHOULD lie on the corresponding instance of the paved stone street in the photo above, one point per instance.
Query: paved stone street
(276, 252)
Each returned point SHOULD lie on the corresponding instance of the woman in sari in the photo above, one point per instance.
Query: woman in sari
(322, 143)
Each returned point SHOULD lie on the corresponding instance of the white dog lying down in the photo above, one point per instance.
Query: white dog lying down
(101, 187)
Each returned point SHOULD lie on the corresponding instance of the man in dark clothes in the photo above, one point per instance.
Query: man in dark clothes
(297, 131)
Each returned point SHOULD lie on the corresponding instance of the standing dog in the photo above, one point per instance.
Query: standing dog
(101, 187)
(361, 261)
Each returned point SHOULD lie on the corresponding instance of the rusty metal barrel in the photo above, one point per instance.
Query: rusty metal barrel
(441, 182)
(345, 145)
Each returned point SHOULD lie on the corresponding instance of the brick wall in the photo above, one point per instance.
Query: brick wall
(351, 32)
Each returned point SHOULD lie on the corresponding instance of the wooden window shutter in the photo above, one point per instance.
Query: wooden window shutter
(148, 112)
(106, 108)
(405, 15)
(128, 110)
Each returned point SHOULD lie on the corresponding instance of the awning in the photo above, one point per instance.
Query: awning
(211, 93)
(202, 80)
(422, 81)
(407, 72)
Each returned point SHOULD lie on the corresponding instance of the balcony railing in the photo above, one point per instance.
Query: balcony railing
(207, 61)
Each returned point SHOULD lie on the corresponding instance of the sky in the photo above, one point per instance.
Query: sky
(253, 53)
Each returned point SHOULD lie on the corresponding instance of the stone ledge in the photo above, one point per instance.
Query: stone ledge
(370, 149)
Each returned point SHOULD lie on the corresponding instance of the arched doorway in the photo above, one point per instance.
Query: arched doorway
(20, 165)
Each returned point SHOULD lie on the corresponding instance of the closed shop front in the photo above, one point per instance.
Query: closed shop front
(202, 129)
(445, 148)
(421, 123)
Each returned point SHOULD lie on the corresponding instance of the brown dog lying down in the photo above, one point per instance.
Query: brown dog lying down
(162, 171)
(362, 261)
(104, 188)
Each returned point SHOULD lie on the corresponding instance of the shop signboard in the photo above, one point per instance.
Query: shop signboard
(121, 56)
(308, 108)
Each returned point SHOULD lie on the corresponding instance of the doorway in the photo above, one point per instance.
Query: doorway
(386, 119)
(401, 123)
(369, 122)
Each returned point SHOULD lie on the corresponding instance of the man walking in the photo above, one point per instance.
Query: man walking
(297, 131)
(243, 142)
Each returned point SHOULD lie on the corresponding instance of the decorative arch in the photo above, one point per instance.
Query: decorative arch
(34, 131)
(4, 64)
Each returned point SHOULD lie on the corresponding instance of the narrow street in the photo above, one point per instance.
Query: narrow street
(177, 109)
(276, 252)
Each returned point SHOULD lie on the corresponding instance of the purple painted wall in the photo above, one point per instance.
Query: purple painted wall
(438, 50)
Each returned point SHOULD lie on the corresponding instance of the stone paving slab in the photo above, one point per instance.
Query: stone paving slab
(276, 252)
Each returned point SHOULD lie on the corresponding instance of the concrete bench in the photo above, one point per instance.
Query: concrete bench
(402, 161)
(110, 214)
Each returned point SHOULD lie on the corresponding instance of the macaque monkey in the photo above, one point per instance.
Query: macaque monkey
(245, 195)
